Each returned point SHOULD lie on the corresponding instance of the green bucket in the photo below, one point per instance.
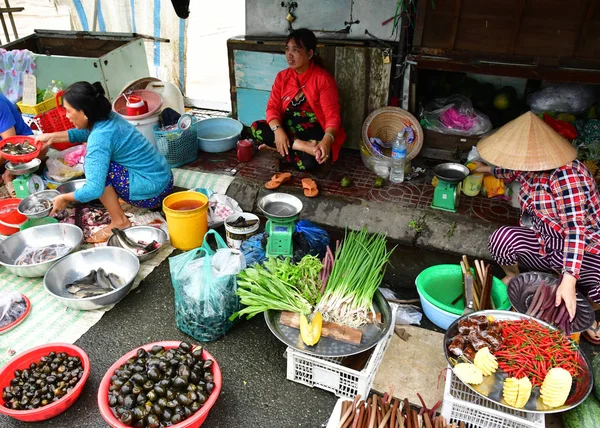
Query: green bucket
(440, 285)
(32, 222)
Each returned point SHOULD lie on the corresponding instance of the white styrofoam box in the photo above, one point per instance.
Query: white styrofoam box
(461, 404)
(329, 374)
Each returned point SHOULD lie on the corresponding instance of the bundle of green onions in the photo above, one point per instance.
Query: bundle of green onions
(279, 285)
(357, 272)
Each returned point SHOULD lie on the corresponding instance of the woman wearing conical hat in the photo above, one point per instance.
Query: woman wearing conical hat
(560, 210)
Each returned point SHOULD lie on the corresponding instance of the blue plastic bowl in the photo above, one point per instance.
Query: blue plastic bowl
(218, 134)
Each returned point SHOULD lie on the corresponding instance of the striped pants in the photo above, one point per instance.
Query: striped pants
(510, 245)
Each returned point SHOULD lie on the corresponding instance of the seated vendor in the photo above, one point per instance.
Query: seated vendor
(11, 124)
(303, 113)
(559, 229)
(120, 162)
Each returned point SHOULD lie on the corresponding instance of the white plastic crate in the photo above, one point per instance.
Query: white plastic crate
(330, 375)
(461, 404)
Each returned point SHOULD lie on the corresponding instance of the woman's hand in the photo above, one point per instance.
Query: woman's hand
(61, 202)
(46, 139)
(481, 167)
(323, 150)
(566, 293)
(282, 142)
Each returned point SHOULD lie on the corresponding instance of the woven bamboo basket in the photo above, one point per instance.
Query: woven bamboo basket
(385, 123)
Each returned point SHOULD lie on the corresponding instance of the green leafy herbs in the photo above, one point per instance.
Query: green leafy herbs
(279, 285)
(357, 273)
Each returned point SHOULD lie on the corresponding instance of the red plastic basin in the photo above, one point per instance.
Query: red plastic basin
(10, 218)
(18, 139)
(33, 356)
(196, 420)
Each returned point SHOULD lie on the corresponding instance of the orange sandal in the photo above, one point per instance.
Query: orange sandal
(277, 180)
(310, 187)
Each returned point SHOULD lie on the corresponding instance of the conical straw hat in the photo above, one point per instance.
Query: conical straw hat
(526, 144)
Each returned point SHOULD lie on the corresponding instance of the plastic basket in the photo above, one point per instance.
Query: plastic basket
(441, 284)
(177, 146)
(39, 108)
(329, 373)
(54, 120)
(19, 139)
(463, 405)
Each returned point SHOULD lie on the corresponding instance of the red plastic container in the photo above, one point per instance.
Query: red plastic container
(245, 150)
(10, 218)
(19, 139)
(18, 321)
(32, 356)
(196, 420)
(54, 120)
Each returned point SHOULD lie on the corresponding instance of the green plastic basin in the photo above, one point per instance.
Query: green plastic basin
(441, 284)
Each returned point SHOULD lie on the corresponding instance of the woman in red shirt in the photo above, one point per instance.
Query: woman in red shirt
(560, 210)
(303, 113)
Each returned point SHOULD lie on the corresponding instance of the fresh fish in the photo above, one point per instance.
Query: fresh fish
(96, 283)
(76, 288)
(102, 279)
(115, 280)
(138, 248)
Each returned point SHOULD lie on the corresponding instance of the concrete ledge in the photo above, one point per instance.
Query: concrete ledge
(403, 223)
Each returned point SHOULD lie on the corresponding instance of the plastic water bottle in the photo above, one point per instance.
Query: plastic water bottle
(57, 88)
(398, 158)
(49, 93)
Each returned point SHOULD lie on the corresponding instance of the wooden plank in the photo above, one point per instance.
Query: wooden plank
(251, 105)
(555, 74)
(335, 331)
(457, 12)
(420, 22)
(591, 8)
(379, 82)
(518, 25)
(257, 70)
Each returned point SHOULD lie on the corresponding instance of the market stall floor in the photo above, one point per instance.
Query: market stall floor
(417, 192)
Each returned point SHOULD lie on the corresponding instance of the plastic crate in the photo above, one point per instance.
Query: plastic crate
(461, 404)
(329, 374)
(177, 146)
(54, 120)
(39, 108)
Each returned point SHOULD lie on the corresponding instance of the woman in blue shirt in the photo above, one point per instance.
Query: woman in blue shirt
(120, 162)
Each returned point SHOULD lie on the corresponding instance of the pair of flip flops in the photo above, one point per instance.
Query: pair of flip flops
(589, 337)
(308, 184)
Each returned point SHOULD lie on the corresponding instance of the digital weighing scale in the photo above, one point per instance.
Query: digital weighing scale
(282, 211)
(447, 192)
(26, 183)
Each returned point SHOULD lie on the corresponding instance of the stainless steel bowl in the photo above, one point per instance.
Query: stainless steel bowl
(35, 237)
(32, 200)
(144, 234)
(280, 205)
(70, 186)
(23, 168)
(77, 265)
(451, 172)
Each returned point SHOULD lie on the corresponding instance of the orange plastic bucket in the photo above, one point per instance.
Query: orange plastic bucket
(10, 219)
(187, 226)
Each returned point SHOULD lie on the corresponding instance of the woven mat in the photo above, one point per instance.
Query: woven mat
(189, 179)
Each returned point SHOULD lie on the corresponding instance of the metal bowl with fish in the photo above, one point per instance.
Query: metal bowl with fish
(92, 279)
(31, 252)
(38, 205)
(143, 241)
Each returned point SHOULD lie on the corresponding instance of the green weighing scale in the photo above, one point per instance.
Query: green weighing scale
(282, 211)
(447, 192)
(26, 182)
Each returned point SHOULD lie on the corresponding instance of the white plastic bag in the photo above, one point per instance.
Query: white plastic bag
(408, 314)
(455, 115)
(563, 98)
(219, 208)
(59, 170)
(12, 306)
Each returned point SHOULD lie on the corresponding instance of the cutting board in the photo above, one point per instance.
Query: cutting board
(413, 366)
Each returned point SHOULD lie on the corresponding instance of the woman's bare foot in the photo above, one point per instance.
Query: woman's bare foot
(507, 279)
(593, 334)
(305, 146)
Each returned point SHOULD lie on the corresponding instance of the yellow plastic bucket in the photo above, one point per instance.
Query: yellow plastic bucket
(186, 227)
